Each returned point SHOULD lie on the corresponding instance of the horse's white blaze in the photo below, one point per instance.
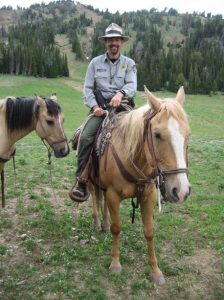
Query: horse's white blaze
(177, 141)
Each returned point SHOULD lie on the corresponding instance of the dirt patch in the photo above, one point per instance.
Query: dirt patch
(205, 261)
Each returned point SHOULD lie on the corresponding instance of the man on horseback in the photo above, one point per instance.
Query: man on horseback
(110, 79)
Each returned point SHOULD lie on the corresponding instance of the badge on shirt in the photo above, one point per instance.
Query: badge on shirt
(124, 66)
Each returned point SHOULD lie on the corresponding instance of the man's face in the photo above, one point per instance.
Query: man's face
(113, 45)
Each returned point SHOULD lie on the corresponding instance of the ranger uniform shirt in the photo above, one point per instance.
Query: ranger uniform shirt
(109, 78)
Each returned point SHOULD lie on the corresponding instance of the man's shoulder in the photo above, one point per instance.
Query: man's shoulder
(127, 59)
(99, 58)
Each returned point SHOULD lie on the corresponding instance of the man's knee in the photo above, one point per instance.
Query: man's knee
(86, 138)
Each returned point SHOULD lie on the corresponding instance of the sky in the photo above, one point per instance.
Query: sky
(214, 6)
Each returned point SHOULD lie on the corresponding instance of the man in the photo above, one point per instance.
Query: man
(114, 76)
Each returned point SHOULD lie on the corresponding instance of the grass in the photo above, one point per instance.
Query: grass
(48, 248)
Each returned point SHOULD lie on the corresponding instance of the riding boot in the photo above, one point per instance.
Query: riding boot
(79, 192)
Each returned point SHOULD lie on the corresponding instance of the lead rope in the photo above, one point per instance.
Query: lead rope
(158, 194)
(49, 154)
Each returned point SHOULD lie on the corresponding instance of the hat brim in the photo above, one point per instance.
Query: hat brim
(123, 37)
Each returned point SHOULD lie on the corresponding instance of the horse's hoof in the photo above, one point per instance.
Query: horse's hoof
(115, 269)
(105, 227)
(158, 279)
(97, 225)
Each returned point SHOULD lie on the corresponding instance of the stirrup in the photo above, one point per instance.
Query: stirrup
(79, 196)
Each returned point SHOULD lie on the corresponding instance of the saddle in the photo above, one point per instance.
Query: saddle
(126, 105)
(101, 140)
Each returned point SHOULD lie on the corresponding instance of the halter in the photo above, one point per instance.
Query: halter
(49, 147)
(158, 171)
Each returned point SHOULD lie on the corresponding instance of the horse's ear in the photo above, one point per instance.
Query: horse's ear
(153, 101)
(180, 97)
(53, 97)
(40, 101)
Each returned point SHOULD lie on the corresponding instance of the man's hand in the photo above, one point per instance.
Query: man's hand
(98, 111)
(116, 100)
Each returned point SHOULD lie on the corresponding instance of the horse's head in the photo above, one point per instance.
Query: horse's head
(49, 125)
(170, 133)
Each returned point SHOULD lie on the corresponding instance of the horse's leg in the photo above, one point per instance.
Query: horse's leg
(96, 208)
(147, 208)
(106, 215)
(2, 184)
(113, 203)
(1, 167)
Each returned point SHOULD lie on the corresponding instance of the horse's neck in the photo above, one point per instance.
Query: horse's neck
(8, 140)
(139, 159)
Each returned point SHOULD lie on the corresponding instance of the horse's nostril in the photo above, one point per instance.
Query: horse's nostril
(63, 151)
(174, 192)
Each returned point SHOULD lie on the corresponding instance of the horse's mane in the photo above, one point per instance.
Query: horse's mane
(20, 111)
(132, 124)
(53, 108)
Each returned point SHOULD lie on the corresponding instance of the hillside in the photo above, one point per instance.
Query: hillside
(170, 49)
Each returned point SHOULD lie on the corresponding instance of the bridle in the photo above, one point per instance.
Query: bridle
(50, 147)
(159, 173)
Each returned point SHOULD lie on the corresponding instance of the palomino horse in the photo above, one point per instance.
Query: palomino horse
(19, 116)
(147, 142)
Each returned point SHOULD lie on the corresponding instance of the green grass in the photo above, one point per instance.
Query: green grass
(48, 248)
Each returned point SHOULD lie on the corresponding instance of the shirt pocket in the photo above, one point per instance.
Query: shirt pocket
(120, 78)
(102, 79)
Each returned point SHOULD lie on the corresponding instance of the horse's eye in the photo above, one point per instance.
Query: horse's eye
(157, 135)
(50, 122)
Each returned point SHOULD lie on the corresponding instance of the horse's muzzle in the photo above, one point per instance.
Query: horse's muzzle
(177, 191)
(61, 151)
(179, 196)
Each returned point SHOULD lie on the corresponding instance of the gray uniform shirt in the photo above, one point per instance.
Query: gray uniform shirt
(109, 78)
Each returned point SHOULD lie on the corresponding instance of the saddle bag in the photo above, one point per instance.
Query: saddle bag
(75, 138)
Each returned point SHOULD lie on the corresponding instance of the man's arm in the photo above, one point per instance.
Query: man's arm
(88, 90)
(130, 86)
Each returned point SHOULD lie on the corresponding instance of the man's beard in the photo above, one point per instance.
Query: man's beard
(114, 49)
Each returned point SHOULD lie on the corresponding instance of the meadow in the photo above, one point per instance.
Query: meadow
(48, 248)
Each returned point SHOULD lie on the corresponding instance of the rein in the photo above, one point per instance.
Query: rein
(49, 154)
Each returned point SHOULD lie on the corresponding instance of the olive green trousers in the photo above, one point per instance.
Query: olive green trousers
(86, 142)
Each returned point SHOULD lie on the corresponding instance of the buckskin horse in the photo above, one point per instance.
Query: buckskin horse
(147, 143)
(19, 116)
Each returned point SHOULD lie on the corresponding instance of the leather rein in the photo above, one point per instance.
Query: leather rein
(158, 175)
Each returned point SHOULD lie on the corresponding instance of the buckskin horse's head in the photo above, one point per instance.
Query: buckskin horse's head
(170, 133)
(49, 125)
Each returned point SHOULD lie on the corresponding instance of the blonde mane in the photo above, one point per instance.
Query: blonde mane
(131, 125)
